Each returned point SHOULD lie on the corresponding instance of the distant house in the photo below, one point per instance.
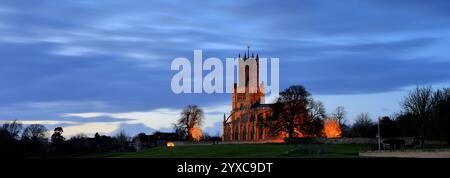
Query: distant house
(393, 144)
(163, 137)
(142, 141)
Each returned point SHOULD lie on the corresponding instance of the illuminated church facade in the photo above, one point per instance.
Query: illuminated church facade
(246, 122)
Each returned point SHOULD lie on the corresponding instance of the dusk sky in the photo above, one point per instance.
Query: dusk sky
(103, 66)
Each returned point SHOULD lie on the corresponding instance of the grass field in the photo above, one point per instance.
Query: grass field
(244, 151)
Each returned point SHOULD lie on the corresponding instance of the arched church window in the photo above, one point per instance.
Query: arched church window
(244, 127)
(260, 126)
(247, 75)
(252, 126)
(236, 129)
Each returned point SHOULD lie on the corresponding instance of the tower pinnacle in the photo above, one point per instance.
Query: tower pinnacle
(248, 51)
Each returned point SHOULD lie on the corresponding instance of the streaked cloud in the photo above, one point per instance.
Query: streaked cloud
(91, 128)
(106, 64)
(157, 119)
(75, 51)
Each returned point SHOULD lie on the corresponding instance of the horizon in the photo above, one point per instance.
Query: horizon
(105, 66)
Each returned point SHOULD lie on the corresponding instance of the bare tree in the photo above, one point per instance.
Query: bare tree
(363, 126)
(313, 124)
(290, 111)
(122, 139)
(442, 111)
(340, 115)
(181, 131)
(191, 117)
(316, 110)
(35, 132)
(419, 104)
(13, 128)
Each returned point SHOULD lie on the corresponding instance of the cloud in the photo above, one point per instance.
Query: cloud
(104, 128)
(134, 129)
(118, 54)
(44, 122)
(214, 130)
(75, 51)
(156, 119)
(360, 74)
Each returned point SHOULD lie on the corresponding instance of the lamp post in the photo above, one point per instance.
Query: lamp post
(379, 135)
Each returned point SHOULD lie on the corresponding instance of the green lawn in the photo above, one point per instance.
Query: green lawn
(244, 151)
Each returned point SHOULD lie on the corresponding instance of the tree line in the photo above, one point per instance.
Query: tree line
(33, 140)
(425, 114)
(15, 140)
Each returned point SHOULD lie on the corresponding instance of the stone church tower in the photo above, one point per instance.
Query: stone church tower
(248, 92)
(245, 123)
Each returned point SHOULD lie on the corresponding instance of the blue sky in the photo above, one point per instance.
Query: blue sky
(103, 66)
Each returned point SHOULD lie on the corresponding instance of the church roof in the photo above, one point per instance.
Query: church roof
(257, 106)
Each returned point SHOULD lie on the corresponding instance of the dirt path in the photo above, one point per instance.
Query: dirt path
(408, 154)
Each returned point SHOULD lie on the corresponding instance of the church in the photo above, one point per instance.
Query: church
(245, 123)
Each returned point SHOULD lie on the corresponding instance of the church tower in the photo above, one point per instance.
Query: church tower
(247, 92)
(249, 112)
